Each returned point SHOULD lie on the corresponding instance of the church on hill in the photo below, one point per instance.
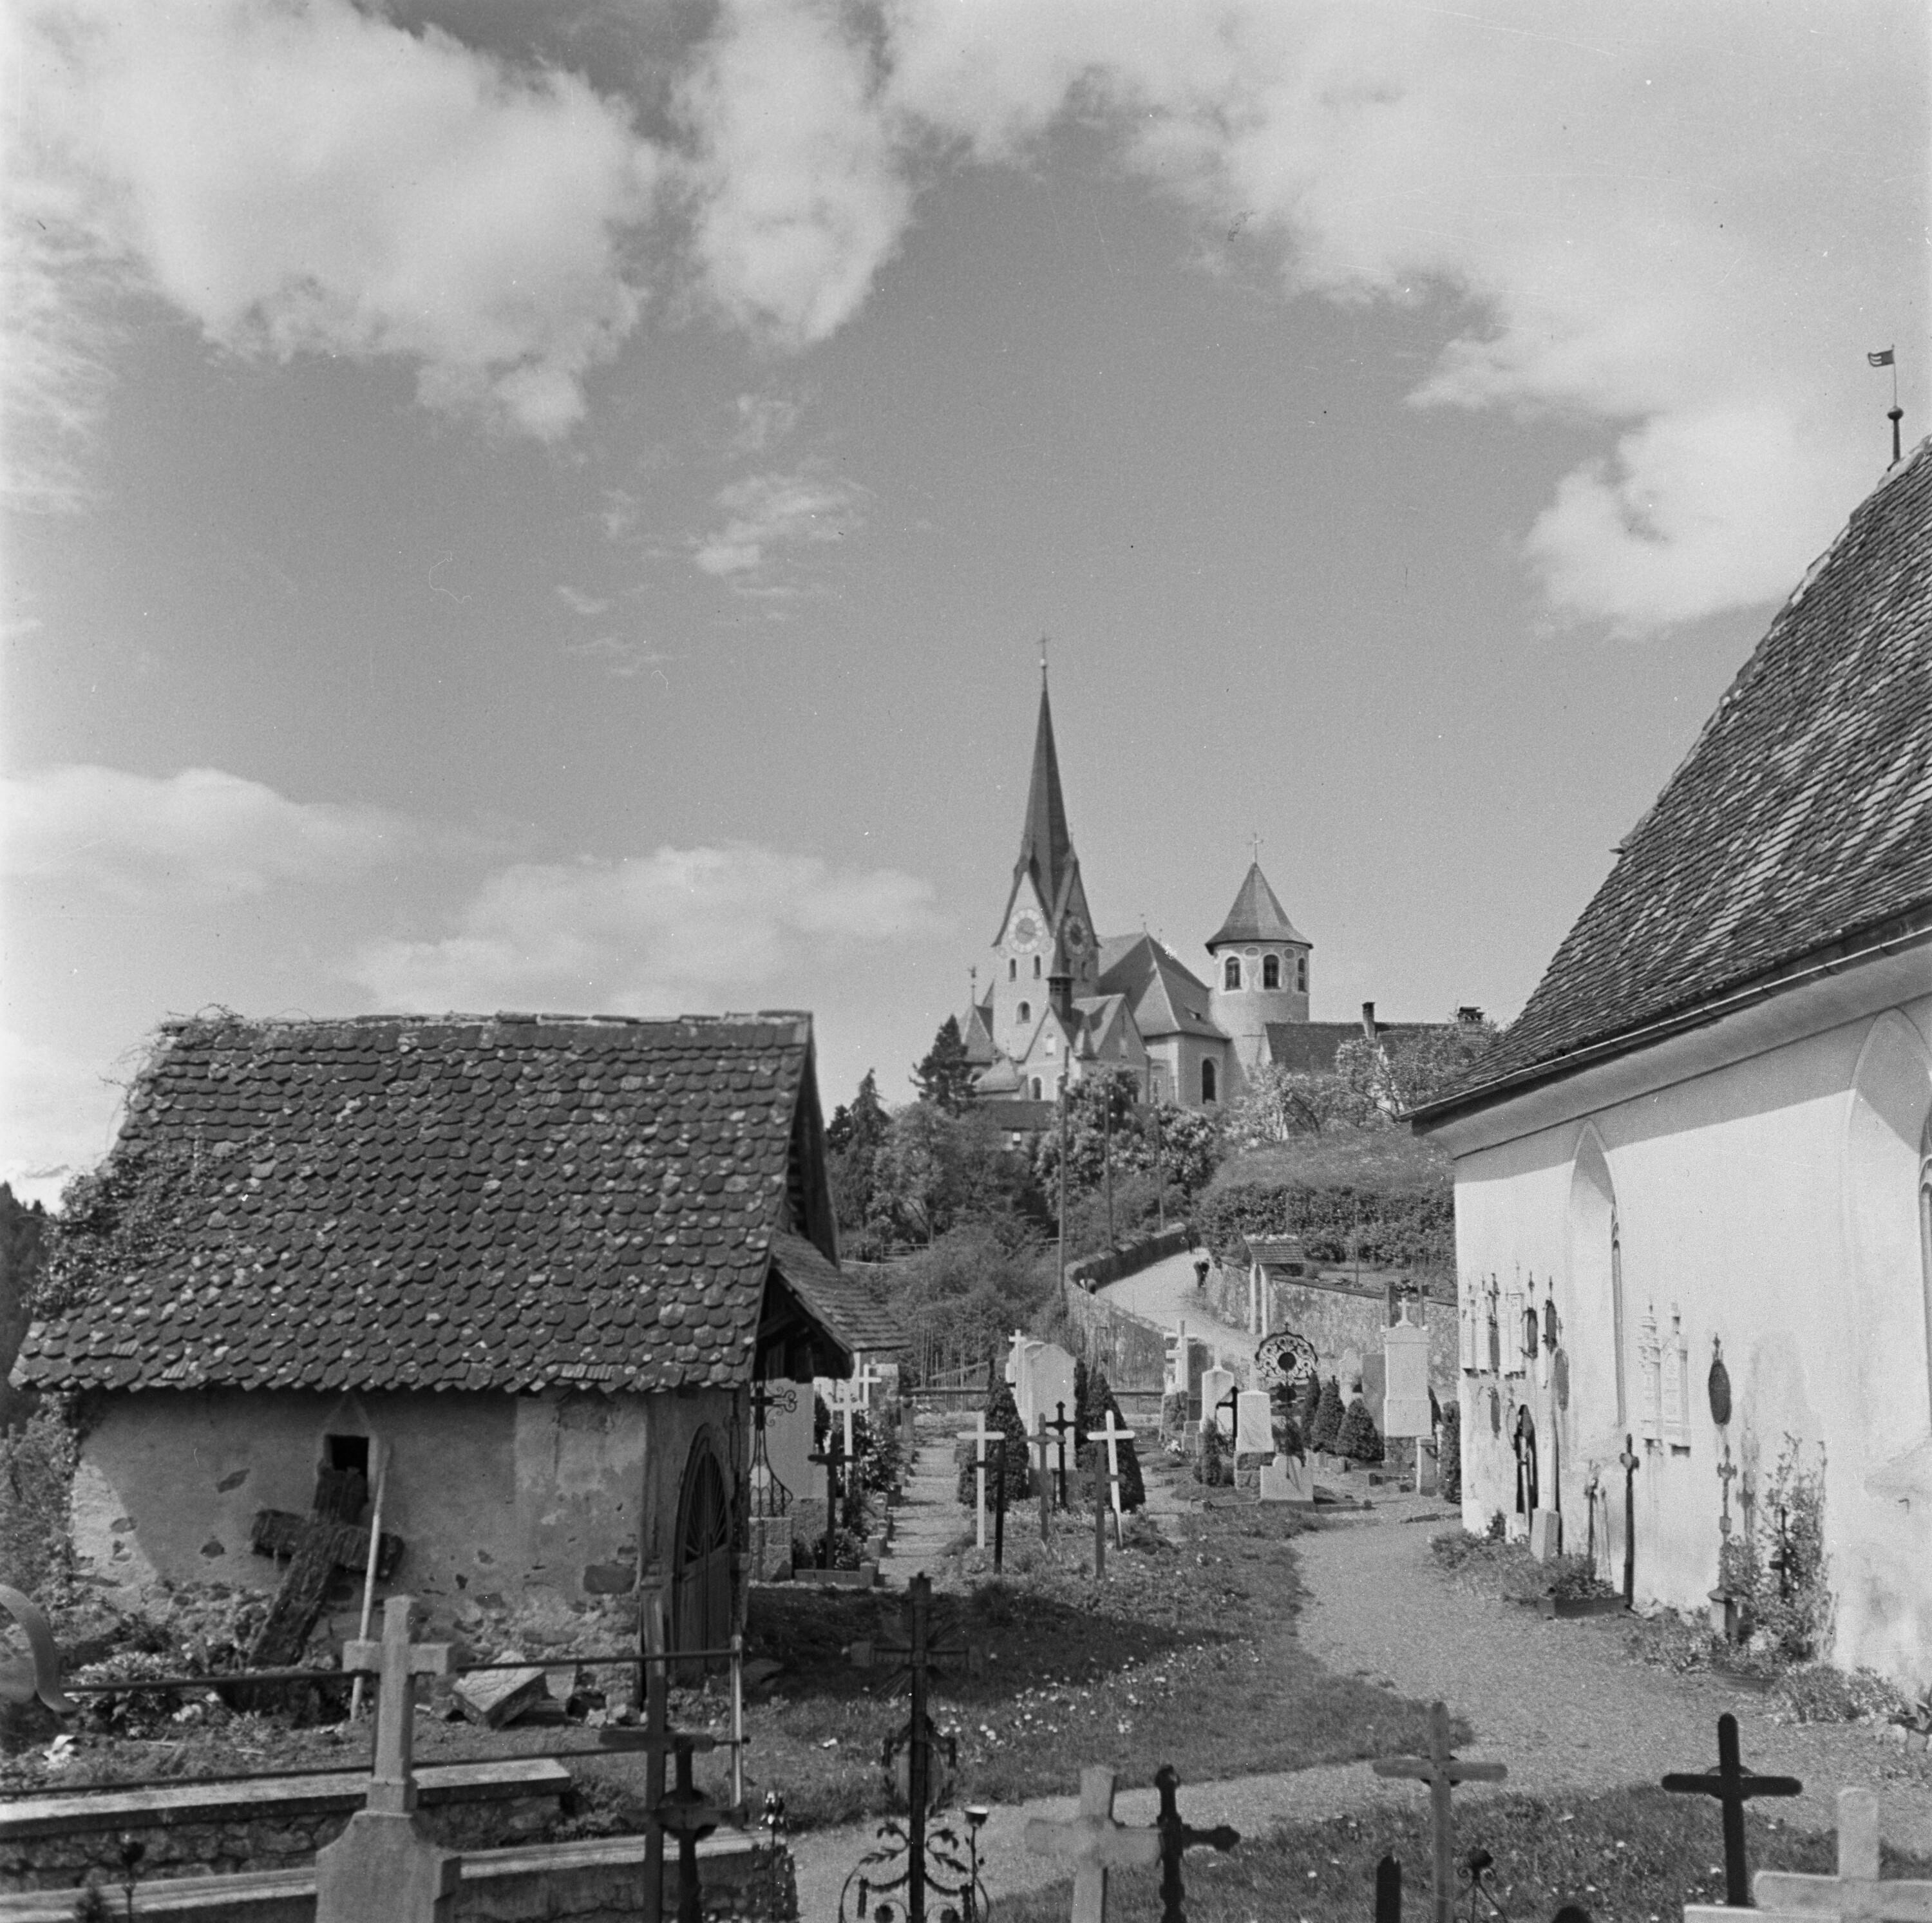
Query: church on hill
(1064, 1002)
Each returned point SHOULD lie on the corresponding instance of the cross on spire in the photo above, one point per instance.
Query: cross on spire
(1441, 1772)
(1732, 1788)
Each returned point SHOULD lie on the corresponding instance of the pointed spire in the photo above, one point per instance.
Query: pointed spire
(1046, 849)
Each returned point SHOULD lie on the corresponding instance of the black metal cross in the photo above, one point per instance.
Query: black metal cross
(682, 1812)
(1732, 1788)
(1631, 1462)
(1177, 1837)
(999, 1504)
(1061, 1424)
(831, 1458)
(917, 1655)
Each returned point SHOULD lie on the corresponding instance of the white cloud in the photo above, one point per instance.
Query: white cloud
(588, 605)
(801, 195)
(683, 928)
(312, 179)
(623, 660)
(202, 834)
(770, 514)
(763, 421)
(58, 1117)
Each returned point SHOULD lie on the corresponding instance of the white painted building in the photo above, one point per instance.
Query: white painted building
(1712, 1125)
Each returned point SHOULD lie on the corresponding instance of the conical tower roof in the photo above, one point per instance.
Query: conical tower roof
(1257, 915)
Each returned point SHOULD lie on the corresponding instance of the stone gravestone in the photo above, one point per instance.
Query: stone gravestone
(1405, 1394)
(1048, 1376)
(1254, 1423)
(1286, 1478)
(1215, 1384)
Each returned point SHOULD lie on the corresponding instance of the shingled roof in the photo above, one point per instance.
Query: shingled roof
(1257, 915)
(1800, 824)
(461, 1202)
(855, 1300)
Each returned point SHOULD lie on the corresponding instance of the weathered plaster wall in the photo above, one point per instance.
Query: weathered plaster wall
(495, 1496)
(1339, 1322)
(1771, 1203)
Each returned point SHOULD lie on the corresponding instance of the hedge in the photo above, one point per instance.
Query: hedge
(1383, 1189)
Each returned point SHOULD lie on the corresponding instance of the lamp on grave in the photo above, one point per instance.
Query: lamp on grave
(1529, 1334)
(1549, 1321)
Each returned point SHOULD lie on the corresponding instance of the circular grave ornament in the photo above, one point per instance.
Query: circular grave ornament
(1284, 1360)
(1720, 1385)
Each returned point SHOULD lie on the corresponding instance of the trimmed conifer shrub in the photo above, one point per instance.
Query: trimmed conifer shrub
(1449, 1455)
(1002, 1418)
(1358, 1438)
(1328, 1414)
(1133, 1490)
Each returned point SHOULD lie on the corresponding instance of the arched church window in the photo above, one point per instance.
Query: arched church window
(1036, 967)
(1035, 1088)
(1013, 968)
(1231, 972)
(1026, 1011)
(1207, 1076)
(1271, 971)
(1301, 974)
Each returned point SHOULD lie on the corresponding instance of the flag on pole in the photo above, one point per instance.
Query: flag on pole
(1882, 358)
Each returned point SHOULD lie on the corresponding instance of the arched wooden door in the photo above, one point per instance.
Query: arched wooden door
(701, 1587)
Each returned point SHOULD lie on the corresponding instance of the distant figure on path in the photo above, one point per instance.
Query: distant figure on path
(1201, 1273)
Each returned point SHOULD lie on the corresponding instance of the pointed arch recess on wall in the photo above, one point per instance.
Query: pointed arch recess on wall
(1596, 1260)
(1888, 1231)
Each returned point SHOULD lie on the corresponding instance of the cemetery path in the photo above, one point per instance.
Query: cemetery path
(1165, 1292)
(1561, 1702)
(930, 1517)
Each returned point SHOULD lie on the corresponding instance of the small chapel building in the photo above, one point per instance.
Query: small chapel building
(1693, 1181)
(519, 1273)
(1063, 1002)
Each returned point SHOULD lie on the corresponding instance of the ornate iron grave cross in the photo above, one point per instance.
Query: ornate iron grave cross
(1856, 1890)
(999, 1504)
(770, 1496)
(1631, 1461)
(1095, 1843)
(915, 1658)
(1441, 1772)
(1231, 1403)
(1732, 1788)
(1726, 1469)
(682, 1812)
(1062, 1424)
(1176, 1838)
(979, 1435)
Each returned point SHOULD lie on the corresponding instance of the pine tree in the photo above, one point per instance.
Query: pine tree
(1359, 1439)
(1328, 1415)
(1449, 1455)
(945, 1077)
(1101, 1402)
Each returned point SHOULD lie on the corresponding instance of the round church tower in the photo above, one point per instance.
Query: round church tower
(1260, 973)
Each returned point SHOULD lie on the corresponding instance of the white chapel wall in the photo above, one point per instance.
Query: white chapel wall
(1770, 1203)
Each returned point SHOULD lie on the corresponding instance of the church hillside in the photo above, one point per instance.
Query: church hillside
(1063, 1002)
(1693, 1182)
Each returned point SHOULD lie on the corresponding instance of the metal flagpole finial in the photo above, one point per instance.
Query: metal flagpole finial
(1042, 660)
(1887, 357)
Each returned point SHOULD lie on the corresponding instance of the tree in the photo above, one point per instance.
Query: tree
(945, 1077)
(1358, 1438)
(1280, 1104)
(852, 1139)
(1100, 1401)
(1404, 1071)
(1328, 1416)
(1108, 1126)
(1002, 1418)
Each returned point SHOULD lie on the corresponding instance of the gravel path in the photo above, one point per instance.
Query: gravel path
(1165, 1294)
(1557, 1702)
(1560, 1702)
(930, 1517)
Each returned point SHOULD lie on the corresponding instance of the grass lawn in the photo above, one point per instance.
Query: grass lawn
(1628, 1856)
(1186, 1655)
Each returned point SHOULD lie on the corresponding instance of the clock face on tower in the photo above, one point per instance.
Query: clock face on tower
(1076, 935)
(1026, 931)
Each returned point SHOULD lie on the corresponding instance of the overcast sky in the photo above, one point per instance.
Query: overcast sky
(555, 507)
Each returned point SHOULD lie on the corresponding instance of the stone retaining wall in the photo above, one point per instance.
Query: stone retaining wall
(598, 1882)
(272, 1823)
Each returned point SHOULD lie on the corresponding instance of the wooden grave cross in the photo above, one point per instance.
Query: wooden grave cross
(869, 1377)
(1732, 1788)
(999, 1503)
(397, 1662)
(1113, 1437)
(979, 1435)
(1178, 1837)
(318, 1544)
(1106, 1474)
(1062, 1422)
(1040, 1440)
(1857, 1890)
(1095, 1843)
(1441, 1772)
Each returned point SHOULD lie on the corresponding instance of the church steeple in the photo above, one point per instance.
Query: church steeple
(1046, 849)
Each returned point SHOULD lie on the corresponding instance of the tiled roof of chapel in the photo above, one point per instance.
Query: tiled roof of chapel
(454, 1202)
(1799, 823)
